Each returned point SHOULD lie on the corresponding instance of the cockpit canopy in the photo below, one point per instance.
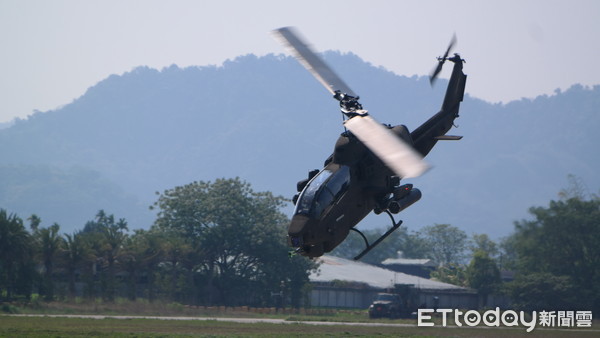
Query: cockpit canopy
(322, 190)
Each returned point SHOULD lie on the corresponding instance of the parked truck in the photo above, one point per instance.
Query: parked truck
(400, 302)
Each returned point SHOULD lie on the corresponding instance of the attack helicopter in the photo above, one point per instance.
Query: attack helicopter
(369, 160)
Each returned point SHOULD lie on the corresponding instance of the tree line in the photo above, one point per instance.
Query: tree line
(221, 243)
(213, 243)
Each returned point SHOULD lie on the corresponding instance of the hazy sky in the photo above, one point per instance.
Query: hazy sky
(52, 51)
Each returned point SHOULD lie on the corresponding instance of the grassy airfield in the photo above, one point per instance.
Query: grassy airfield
(127, 320)
(17, 326)
(110, 327)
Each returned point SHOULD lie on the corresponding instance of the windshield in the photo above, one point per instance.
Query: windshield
(385, 297)
(322, 191)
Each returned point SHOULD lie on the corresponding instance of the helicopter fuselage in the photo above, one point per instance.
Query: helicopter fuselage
(352, 183)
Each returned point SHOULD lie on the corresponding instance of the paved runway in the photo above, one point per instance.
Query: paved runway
(221, 319)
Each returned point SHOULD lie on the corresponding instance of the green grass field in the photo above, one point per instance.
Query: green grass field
(50, 321)
(12, 326)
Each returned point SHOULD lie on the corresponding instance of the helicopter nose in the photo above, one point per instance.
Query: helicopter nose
(296, 230)
(298, 225)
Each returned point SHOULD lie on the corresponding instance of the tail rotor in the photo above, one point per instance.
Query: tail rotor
(441, 59)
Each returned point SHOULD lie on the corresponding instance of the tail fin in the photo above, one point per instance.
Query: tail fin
(427, 135)
(456, 86)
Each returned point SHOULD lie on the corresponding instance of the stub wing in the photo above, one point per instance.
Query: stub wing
(396, 154)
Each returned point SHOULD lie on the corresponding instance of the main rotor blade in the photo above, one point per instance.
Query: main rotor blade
(397, 155)
(311, 61)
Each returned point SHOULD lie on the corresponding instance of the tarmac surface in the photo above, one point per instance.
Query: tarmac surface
(220, 319)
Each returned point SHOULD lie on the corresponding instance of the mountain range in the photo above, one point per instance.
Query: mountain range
(267, 121)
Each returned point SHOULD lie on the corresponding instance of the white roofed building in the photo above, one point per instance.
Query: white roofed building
(413, 266)
(342, 282)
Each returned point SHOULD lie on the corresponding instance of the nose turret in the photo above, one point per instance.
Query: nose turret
(296, 230)
(298, 233)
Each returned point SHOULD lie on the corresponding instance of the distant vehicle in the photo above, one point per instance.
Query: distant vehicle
(369, 159)
(386, 305)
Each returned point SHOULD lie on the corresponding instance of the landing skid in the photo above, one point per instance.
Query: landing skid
(387, 233)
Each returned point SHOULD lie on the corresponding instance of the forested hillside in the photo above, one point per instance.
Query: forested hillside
(267, 121)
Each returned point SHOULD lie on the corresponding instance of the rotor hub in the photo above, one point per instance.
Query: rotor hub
(349, 105)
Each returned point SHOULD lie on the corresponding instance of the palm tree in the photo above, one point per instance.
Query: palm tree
(75, 253)
(34, 222)
(108, 239)
(15, 253)
(140, 258)
(49, 242)
(114, 237)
